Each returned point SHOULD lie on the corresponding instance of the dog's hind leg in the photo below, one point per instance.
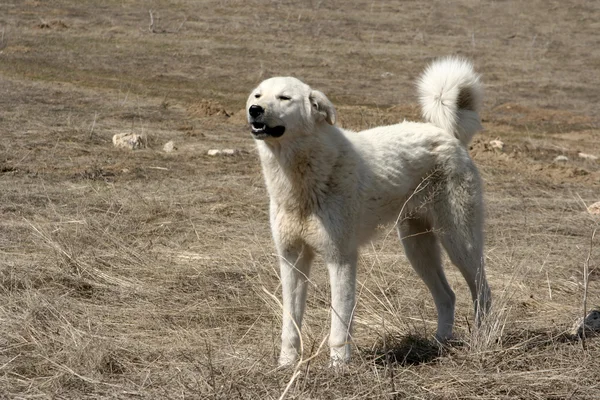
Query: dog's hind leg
(295, 268)
(422, 250)
(465, 251)
(459, 219)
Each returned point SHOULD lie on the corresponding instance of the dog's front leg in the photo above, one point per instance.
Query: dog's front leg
(342, 277)
(295, 268)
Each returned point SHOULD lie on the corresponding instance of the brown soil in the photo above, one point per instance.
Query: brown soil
(148, 274)
(207, 108)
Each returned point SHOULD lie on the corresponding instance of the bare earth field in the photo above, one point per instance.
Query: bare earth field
(152, 275)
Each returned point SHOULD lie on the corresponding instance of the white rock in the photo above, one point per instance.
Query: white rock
(561, 159)
(591, 323)
(127, 140)
(497, 144)
(586, 156)
(594, 208)
(224, 152)
(169, 147)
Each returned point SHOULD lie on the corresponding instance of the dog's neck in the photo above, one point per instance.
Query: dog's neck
(297, 171)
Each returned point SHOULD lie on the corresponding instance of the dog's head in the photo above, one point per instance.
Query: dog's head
(285, 105)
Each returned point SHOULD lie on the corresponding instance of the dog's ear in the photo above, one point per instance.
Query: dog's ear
(324, 108)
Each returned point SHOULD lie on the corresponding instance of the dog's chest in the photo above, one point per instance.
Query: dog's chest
(293, 226)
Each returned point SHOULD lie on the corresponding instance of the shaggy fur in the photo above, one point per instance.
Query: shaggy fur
(330, 188)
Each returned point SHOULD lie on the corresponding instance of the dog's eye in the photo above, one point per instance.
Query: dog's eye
(285, 98)
(257, 96)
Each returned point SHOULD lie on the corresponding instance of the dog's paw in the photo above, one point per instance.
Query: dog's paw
(338, 364)
(340, 356)
(443, 337)
(287, 360)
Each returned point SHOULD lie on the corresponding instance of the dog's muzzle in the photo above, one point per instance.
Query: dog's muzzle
(261, 130)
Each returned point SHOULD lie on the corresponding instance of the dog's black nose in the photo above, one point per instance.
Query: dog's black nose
(255, 111)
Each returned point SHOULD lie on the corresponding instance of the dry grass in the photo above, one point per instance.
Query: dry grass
(152, 275)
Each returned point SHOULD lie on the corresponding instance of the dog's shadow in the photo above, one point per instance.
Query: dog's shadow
(405, 350)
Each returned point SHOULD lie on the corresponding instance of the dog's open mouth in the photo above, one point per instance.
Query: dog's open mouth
(261, 130)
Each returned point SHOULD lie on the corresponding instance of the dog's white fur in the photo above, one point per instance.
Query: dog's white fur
(330, 188)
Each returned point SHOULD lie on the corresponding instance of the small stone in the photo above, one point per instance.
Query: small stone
(591, 322)
(225, 152)
(497, 144)
(594, 209)
(586, 156)
(126, 140)
(561, 159)
(169, 147)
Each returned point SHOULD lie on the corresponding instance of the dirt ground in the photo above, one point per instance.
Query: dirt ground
(152, 275)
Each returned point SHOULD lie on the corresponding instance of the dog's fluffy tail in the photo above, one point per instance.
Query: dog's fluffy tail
(450, 94)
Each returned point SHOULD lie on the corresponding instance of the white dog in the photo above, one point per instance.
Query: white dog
(330, 188)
